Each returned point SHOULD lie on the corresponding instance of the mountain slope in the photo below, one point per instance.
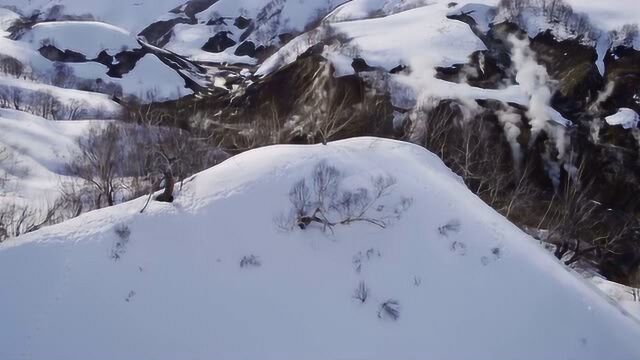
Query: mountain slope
(180, 281)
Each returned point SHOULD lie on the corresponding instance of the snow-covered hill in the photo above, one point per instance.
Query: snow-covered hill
(36, 152)
(221, 274)
(127, 14)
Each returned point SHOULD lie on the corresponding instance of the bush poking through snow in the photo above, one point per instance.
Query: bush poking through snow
(389, 309)
(119, 248)
(361, 293)
(325, 204)
(250, 261)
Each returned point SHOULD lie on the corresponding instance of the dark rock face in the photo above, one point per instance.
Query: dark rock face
(285, 38)
(192, 7)
(54, 54)
(482, 71)
(398, 69)
(360, 65)
(159, 33)
(247, 48)
(217, 22)
(622, 67)
(219, 43)
(241, 22)
(126, 61)
(573, 66)
(104, 58)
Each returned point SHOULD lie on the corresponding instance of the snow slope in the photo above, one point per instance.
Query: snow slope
(131, 15)
(89, 101)
(7, 18)
(40, 150)
(270, 19)
(85, 37)
(150, 79)
(469, 284)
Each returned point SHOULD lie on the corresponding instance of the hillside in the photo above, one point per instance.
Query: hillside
(214, 275)
(319, 179)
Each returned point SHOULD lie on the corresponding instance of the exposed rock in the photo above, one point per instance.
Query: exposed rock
(159, 33)
(192, 7)
(54, 54)
(219, 43)
(285, 38)
(125, 62)
(573, 66)
(398, 69)
(360, 65)
(622, 67)
(104, 58)
(247, 48)
(242, 23)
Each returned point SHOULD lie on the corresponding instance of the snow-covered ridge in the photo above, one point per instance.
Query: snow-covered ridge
(210, 276)
(85, 37)
(36, 152)
(132, 15)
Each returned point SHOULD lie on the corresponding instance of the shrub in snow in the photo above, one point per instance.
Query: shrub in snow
(325, 204)
(361, 293)
(250, 261)
(361, 257)
(389, 309)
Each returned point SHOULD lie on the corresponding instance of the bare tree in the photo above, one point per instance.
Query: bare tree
(16, 219)
(327, 205)
(98, 161)
(326, 109)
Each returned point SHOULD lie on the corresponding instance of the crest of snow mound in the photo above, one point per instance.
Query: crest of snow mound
(216, 275)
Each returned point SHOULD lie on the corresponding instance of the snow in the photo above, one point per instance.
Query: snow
(422, 33)
(622, 294)
(7, 18)
(392, 40)
(271, 18)
(150, 76)
(482, 14)
(292, 15)
(26, 55)
(187, 40)
(177, 290)
(40, 150)
(85, 37)
(627, 118)
(86, 99)
(606, 15)
(132, 16)
(152, 79)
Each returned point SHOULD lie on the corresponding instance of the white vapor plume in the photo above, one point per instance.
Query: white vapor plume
(534, 80)
(510, 122)
(603, 95)
(536, 83)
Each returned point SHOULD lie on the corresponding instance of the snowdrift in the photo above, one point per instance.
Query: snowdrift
(215, 275)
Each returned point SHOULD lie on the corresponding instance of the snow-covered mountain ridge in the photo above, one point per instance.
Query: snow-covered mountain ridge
(215, 275)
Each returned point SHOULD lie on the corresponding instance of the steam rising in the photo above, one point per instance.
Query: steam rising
(510, 122)
(536, 84)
